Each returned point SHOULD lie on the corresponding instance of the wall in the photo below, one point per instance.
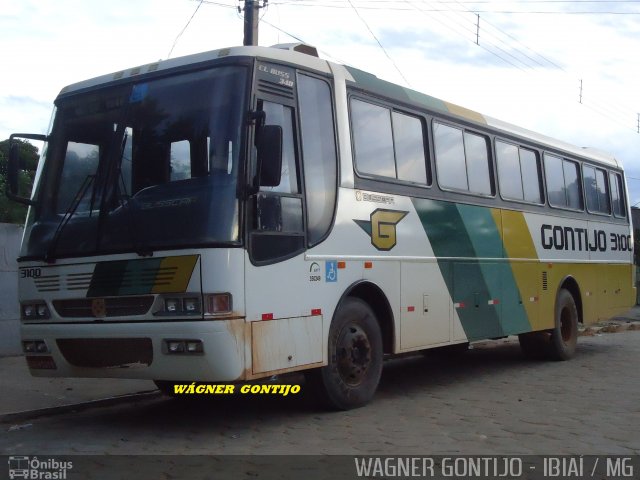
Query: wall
(10, 236)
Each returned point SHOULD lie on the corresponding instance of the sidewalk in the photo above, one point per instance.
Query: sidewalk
(23, 393)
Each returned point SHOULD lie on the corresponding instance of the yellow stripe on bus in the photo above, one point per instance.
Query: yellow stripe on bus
(519, 248)
(174, 274)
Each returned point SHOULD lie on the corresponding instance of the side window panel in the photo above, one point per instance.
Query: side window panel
(319, 154)
(603, 191)
(408, 139)
(572, 184)
(509, 177)
(595, 190)
(282, 115)
(555, 181)
(617, 195)
(388, 143)
(372, 138)
(477, 155)
(518, 173)
(563, 182)
(450, 162)
(590, 188)
(462, 159)
(531, 178)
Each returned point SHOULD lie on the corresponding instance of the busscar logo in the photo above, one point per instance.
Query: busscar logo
(381, 227)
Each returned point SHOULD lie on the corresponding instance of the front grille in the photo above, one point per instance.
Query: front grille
(113, 307)
(106, 352)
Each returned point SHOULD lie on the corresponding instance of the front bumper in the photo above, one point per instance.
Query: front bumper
(138, 350)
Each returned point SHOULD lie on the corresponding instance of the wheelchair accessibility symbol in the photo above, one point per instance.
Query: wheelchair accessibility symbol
(331, 271)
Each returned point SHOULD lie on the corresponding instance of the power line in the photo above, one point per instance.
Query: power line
(512, 51)
(185, 28)
(378, 41)
(393, 6)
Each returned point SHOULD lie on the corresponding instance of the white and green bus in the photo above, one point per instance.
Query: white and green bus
(248, 212)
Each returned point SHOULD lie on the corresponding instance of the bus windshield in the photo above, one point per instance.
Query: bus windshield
(142, 166)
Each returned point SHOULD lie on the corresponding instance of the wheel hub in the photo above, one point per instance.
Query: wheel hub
(353, 354)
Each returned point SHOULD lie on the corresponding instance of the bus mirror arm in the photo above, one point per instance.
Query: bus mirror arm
(14, 166)
(269, 147)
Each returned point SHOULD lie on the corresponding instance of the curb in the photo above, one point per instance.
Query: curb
(614, 325)
(78, 407)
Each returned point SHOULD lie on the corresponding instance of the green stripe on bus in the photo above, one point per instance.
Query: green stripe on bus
(125, 277)
(460, 235)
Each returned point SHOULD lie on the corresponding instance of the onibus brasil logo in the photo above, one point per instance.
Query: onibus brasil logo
(381, 227)
(34, 468)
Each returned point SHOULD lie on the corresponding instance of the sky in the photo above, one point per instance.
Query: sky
(567, 69)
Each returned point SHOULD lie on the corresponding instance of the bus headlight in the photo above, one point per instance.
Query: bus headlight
(37, 310)
(190, 304)
(172, 305)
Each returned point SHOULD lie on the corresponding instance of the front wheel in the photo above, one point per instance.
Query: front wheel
(354, 367)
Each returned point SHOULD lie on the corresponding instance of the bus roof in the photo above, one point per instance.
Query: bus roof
(291, 53)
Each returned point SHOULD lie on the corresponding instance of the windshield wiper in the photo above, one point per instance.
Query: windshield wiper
(127, 204)
(73, 206)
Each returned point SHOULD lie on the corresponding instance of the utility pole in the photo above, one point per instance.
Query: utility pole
(251, 19)
(580, 95)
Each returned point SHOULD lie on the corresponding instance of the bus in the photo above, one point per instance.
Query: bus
(244, 213)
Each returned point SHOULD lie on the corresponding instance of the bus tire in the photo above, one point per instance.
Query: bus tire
(355, 354)
(564, 336)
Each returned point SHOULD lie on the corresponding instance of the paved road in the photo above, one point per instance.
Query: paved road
(490, 400)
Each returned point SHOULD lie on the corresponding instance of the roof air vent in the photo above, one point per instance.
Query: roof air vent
(298, 47)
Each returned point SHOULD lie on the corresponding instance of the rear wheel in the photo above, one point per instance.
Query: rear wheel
(564, 337)
(560, 342)
(354, 367)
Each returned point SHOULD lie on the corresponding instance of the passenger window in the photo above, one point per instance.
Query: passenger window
(563, 182)
(462, 160)
(555, 181)
(572, 184)
(531, 175)
(617, 195)
(477, 156)
(509, 176)
(408, 139)
(450, 163)
(595, 189)
(518, 173)
(372, 139)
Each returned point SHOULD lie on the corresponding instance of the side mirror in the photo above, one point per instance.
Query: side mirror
(269, 146)
(16, 164)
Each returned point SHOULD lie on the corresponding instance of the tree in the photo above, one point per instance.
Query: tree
(10, 211)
